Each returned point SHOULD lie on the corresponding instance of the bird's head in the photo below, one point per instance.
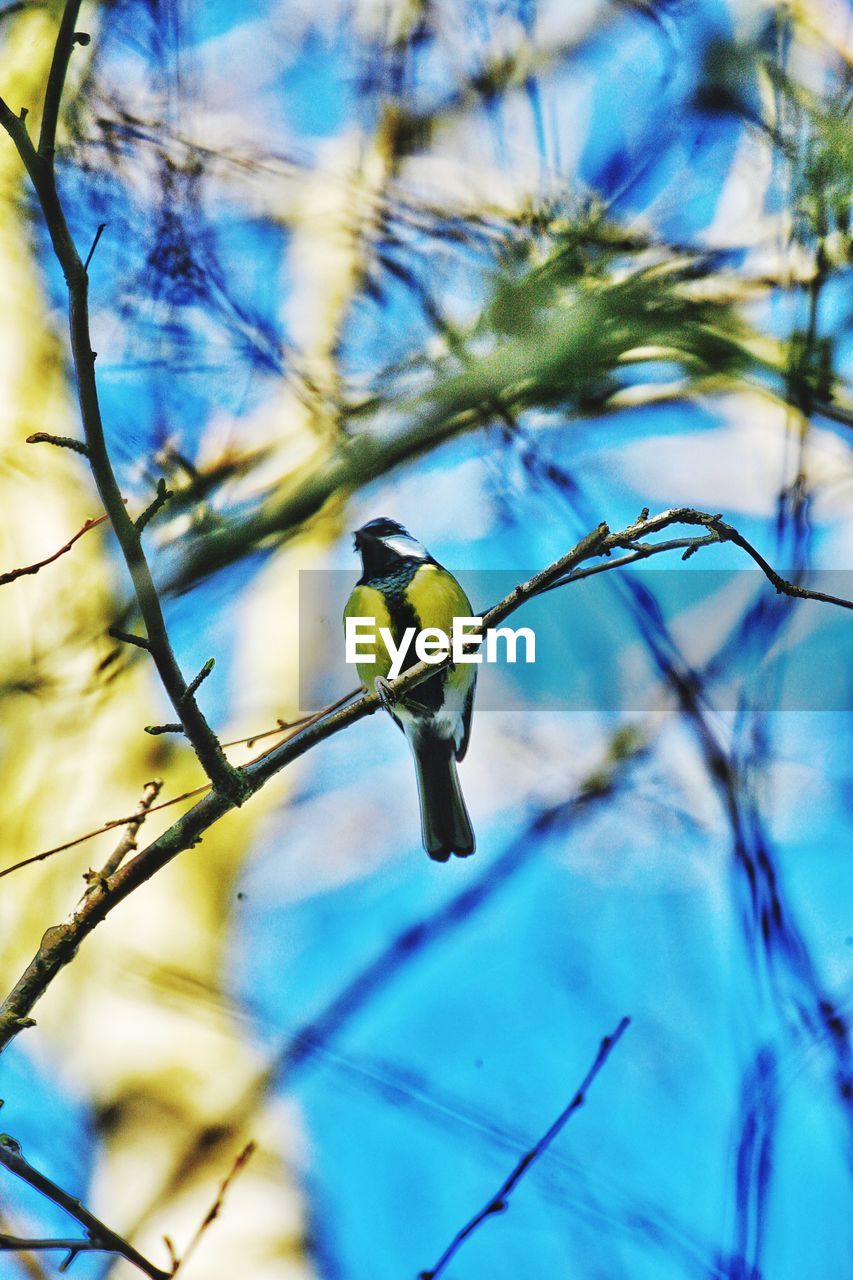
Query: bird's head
(382, 542)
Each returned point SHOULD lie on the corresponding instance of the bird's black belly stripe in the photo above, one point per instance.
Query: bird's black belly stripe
(392, 584)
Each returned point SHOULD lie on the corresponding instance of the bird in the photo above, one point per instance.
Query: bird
(402, 586)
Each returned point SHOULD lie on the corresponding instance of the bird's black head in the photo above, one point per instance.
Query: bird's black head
(384, 543)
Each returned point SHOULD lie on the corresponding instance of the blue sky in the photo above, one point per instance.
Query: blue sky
(420, 1100)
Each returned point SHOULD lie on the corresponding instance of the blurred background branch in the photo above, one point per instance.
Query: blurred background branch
(492, 269)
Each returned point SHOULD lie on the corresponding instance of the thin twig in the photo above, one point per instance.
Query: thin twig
(641, 552)
(56, 81)
(215, 1209)
(162, 496)
(201, 677)
(94, 245)
(60, 944)
(127, 844)
(99, 1236)
(29, 1264)
(40, 564)
(110, 825)
(127, 637)
(499, 1202)
(282, 727)
(38, 1244)
(61, 442)
(299, 723)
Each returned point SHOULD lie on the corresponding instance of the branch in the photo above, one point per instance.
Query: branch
(127, 844)
(216, 1208)
(99, 831)
(62, 51)
(201, 677)
(99, 1237)
(102, 226)
(22, 1244)
(60, 943)
(34, 568)
(499, 1202)
(39, 165)
(303, 1044)
(727, 533)
(281, 727)
(61, 442)
(161, 497)
(127, 637)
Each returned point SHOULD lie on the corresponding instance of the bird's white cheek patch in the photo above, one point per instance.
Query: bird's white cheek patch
(405, 545)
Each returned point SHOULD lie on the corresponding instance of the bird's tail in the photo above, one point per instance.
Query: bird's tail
(445, 825)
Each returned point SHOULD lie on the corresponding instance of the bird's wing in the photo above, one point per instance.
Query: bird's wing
(367, 602)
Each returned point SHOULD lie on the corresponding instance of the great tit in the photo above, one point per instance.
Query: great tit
(402, 587)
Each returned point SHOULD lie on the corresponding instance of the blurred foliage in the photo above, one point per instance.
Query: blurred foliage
(578, 304)
(383, 294)
(136, 1022)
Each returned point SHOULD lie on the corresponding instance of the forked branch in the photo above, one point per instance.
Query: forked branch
(99, 1237)
(499, 1202)
(39, 163)
(60, 943)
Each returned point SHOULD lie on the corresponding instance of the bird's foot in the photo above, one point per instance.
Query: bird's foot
(385, 694)
(388, 698)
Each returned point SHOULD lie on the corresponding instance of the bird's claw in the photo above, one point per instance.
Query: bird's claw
(384, 693)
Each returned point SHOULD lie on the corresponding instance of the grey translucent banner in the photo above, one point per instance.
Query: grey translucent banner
(617, 641)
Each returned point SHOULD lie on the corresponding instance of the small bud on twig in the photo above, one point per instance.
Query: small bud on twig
(62, 442)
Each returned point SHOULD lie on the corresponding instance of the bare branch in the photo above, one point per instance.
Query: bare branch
(499, 1202)
(60, 944)
(281, 727)
(161, 498)
(215, 1209)
(100, 1237)
(30, 1265)
(56, 80)
(39, 166)
(100, 231)
(110, 825)
(127, 844)
(202, 676)
(61, 442)
(40, 564)
(38, 1244)
(127, 637)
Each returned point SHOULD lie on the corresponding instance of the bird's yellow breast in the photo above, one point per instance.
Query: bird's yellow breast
(433, 598)
(437, 598)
